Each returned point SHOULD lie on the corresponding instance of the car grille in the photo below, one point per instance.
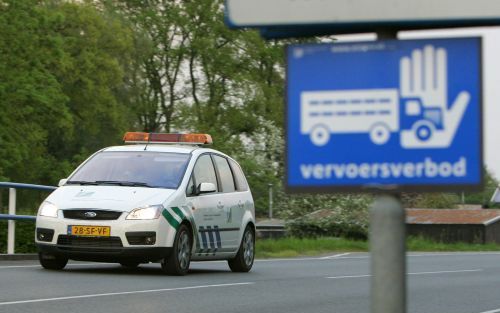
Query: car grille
(74, 242)
(93, 215)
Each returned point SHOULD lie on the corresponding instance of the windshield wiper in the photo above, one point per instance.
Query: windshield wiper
(80, 182)
(123, 183)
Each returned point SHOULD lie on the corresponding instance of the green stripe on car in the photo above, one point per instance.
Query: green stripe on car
(178, 212)
(170, 219)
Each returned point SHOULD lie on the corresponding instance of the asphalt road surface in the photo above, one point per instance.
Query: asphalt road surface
(437, 282)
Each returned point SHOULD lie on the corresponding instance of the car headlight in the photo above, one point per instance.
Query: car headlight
(149, 212)
(47, 209)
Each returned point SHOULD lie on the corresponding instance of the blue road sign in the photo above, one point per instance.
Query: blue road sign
(384, 114)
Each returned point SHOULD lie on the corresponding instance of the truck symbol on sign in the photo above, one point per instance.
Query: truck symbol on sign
(423, 92)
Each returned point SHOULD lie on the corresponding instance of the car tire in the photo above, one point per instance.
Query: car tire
(52, 262)
(177, 263)
(243, 261)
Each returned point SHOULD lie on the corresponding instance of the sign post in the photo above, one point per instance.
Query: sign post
(385, 116)
(387, 236)
(388, 255)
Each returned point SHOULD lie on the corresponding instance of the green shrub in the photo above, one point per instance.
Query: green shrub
(25, 237)
(340, 222)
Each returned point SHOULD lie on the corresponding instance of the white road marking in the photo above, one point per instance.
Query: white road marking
(447, 272)
(437, 254)
(329, 257)
(492, 311)
(454, 254)
(352, 276)
(417, 273)
(287, 260)
(123, 293)
(38, 265)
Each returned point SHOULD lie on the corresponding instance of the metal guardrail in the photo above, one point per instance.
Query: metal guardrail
(17, 217)
(268, 230)
(26, 186)
(12, 217)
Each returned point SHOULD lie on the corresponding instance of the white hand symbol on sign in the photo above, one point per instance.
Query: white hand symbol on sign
(424, 85)
(424, 76)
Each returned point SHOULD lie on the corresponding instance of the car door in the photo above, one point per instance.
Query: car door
(207, 208)
(231, 202)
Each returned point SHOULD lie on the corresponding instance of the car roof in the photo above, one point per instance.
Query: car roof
(161, 148)
(154, 147)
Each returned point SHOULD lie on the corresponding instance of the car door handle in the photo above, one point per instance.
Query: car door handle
(240, 205)
(220, 206)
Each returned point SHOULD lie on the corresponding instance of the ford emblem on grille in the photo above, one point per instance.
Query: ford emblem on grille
(90, 214)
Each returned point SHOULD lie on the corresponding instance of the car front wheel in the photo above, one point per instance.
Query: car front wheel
(177, 263)
(52, 262)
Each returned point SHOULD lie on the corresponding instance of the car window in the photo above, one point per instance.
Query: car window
(225, 174)
(204, 171)
(190, 190)
(239, 177)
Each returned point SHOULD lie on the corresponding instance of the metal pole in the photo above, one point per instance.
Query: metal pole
(388, 245)
(388, 255)
(11, 232)
(270, 201)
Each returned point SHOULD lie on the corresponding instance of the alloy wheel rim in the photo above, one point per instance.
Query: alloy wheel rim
(248, 248)
(183, 250)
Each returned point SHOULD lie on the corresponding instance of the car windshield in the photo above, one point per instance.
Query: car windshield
(142, 169)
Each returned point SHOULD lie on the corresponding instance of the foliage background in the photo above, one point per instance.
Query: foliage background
(75, 75)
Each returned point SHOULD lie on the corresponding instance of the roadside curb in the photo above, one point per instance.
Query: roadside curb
(19, 257)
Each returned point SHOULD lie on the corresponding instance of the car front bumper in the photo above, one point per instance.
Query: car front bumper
(108, 254)
(122, 245)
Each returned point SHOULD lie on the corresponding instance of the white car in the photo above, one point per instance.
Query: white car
(152, 201)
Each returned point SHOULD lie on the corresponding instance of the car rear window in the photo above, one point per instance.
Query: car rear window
(225, 174)
(239, 177)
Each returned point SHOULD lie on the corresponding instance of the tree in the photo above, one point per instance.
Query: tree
(161, 38)
(32, 102)
(97, 49)
(61, 80)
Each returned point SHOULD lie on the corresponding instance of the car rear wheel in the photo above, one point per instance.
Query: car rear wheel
(52, 262)
(243, 261)
(177, 263)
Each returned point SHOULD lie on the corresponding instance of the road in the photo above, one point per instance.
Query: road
(437, 282)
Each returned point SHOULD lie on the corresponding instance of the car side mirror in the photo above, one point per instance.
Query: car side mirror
(206, 188)
(62, 182)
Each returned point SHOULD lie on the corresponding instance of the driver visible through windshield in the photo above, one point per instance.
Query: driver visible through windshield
(141, 169)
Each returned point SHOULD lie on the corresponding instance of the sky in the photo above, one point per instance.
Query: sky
(491, 81)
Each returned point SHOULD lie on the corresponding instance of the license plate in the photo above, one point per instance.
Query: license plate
(84, 230)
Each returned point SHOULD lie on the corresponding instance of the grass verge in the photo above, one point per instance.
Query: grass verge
(293, 247)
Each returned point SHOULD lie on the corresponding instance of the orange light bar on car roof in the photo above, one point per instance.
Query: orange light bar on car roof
(141, 137)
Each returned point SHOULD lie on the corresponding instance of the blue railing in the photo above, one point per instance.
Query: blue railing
(17, 217)
(12, 217)
(26, 186)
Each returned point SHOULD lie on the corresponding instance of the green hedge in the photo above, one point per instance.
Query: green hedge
(25, 237)
(346, 226)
